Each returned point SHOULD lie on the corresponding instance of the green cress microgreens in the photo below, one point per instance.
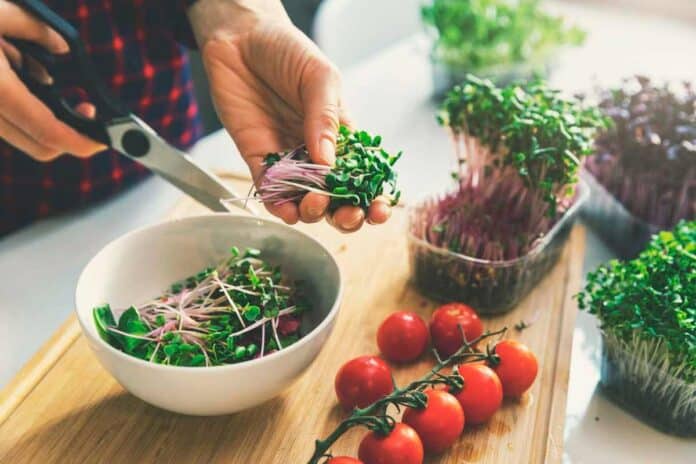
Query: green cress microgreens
(531, 128)
(362, 170)
(651, 299)
(473, 35)
(238, 310)
(376, 417)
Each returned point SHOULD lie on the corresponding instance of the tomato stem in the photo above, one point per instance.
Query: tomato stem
(374, 416)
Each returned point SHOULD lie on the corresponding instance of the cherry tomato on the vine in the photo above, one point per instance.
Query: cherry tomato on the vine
(362, 381)
(444, 327)
(482, 394)
(517, 368)
(344, 460)
(440, 423)
(401, 446)
(402, 336)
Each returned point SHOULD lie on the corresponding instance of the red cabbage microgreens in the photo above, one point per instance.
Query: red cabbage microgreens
(648, 160)
(360, 174)
(518, 151)
(241, 309)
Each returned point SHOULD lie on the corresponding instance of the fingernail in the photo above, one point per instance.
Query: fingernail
(328, 151)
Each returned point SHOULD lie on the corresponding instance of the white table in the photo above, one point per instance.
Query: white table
(388, 94)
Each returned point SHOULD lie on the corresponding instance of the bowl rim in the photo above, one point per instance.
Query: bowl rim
(582, 197)
(320, 328)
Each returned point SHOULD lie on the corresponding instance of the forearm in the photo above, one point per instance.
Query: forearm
(224, 18)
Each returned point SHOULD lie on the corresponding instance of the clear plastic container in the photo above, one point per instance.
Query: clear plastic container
(625, 233)
(445, 76)
(640, 387)
(492, 287)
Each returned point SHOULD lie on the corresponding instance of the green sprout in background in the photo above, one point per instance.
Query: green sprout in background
(474, 35)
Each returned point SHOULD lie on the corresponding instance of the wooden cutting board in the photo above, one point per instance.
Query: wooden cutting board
(64, 407)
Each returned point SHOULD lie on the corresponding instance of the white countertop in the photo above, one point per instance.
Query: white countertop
(388, 94)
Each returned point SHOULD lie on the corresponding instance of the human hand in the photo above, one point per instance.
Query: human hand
(25, 122)
(273, 90)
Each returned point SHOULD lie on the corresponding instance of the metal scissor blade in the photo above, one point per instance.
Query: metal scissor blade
(138, 141)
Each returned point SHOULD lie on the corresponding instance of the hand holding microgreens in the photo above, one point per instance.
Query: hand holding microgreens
(243, 308)
(362, 170)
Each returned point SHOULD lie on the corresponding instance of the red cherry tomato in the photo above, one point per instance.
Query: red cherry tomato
(440, 423)
(444, 327)
(362, 381)
(402, 336)
(344, 460)
(517, 368)
(401, 446)
(482, 394)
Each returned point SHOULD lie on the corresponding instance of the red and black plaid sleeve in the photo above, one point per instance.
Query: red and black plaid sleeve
(137, 48)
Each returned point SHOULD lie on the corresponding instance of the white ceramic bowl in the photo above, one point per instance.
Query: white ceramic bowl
(141, 264)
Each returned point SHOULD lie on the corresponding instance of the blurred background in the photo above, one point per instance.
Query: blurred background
(404, 20)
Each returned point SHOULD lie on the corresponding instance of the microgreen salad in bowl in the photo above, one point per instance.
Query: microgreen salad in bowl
(242, 308)
(643, 176)
(216, 329)
(647, 313)
(497, 39)
(518, 151)
(362, 172)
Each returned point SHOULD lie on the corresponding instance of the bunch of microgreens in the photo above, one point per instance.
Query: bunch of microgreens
(474, 35)
(648, 159)
(518, 150)
(238, 310)
(376, 416)
(362, 170)
(647, 311)
(652, 297)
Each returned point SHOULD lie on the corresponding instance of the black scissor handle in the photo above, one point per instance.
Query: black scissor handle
(80, 65)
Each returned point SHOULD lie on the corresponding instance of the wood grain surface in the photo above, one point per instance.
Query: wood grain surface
(64, 407)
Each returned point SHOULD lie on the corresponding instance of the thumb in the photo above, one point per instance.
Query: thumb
(321, 95)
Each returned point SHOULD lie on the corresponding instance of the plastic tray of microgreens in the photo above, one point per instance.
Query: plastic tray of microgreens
(625, 233)
(492, 287)
(645, 308)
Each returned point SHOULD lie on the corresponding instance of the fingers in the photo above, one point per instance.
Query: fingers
(17, 138)
(313, 207)
(288, 212)
(17, 23)
(321, 92)
(348, 218)
(379, 211)
(27, 113)
(87, 110)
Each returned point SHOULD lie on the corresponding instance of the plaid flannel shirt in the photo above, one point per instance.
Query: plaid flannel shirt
(138, 47)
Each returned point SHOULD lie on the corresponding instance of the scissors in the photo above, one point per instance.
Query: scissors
(114, 126)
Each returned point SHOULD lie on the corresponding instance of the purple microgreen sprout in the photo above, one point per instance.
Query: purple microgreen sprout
(219, 316)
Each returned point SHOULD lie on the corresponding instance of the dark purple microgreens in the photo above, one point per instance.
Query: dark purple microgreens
(241, 309)
(361, 172)
(648, 159)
